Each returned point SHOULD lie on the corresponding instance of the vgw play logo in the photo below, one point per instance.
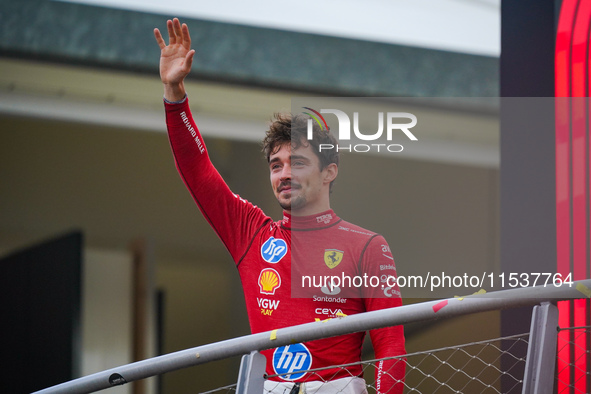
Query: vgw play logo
(393, 124)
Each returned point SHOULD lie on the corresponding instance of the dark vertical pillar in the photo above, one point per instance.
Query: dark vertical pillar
(528, 213)
(40, 300)
(527, 193)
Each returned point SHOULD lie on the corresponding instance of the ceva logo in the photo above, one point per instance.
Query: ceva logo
(344, 134)
(273, 250)
(292, 360)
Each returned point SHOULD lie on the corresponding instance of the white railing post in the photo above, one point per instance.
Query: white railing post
(251, 379)
(541, 352)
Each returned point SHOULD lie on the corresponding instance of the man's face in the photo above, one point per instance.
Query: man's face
(298, 183)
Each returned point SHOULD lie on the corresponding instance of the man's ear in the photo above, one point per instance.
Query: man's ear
(331, 171)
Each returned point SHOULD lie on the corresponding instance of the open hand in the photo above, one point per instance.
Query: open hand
(176, 58)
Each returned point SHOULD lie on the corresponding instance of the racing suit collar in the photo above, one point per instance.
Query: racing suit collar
(319, 220)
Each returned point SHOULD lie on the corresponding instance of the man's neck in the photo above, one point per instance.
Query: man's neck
(310, 210)
(316, 220)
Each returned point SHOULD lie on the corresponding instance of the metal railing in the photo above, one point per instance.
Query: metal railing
(251, 379)
(473, 367)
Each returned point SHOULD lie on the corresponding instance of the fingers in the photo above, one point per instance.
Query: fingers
(177, 34)
(159, 39)
(189, 59)
(171, 33)
(176, 25)
(186, 36)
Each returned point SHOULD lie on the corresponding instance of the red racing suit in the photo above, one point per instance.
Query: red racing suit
(265, 253)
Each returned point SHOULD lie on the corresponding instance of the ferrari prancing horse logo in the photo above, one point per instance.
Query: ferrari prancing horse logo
(333, 257)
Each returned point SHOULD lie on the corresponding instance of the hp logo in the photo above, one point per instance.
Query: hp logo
(291, 360)
(273, 250)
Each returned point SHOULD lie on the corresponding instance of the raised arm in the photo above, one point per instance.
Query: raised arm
(234, 219)
(176, 59)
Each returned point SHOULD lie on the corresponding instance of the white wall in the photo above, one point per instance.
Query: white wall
(107, 312)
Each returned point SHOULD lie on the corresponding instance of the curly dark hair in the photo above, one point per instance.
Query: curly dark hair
(290, 128)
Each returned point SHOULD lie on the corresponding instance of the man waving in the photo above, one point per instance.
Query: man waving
(279, 262)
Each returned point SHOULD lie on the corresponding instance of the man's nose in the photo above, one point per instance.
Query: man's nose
(286, 172)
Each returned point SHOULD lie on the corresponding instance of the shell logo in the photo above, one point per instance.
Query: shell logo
(269, 281)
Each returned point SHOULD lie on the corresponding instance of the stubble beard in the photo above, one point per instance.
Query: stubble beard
(292, 203)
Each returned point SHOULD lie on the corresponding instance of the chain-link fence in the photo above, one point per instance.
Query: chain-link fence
(573, 372)
(221, 390)
(468, 368)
